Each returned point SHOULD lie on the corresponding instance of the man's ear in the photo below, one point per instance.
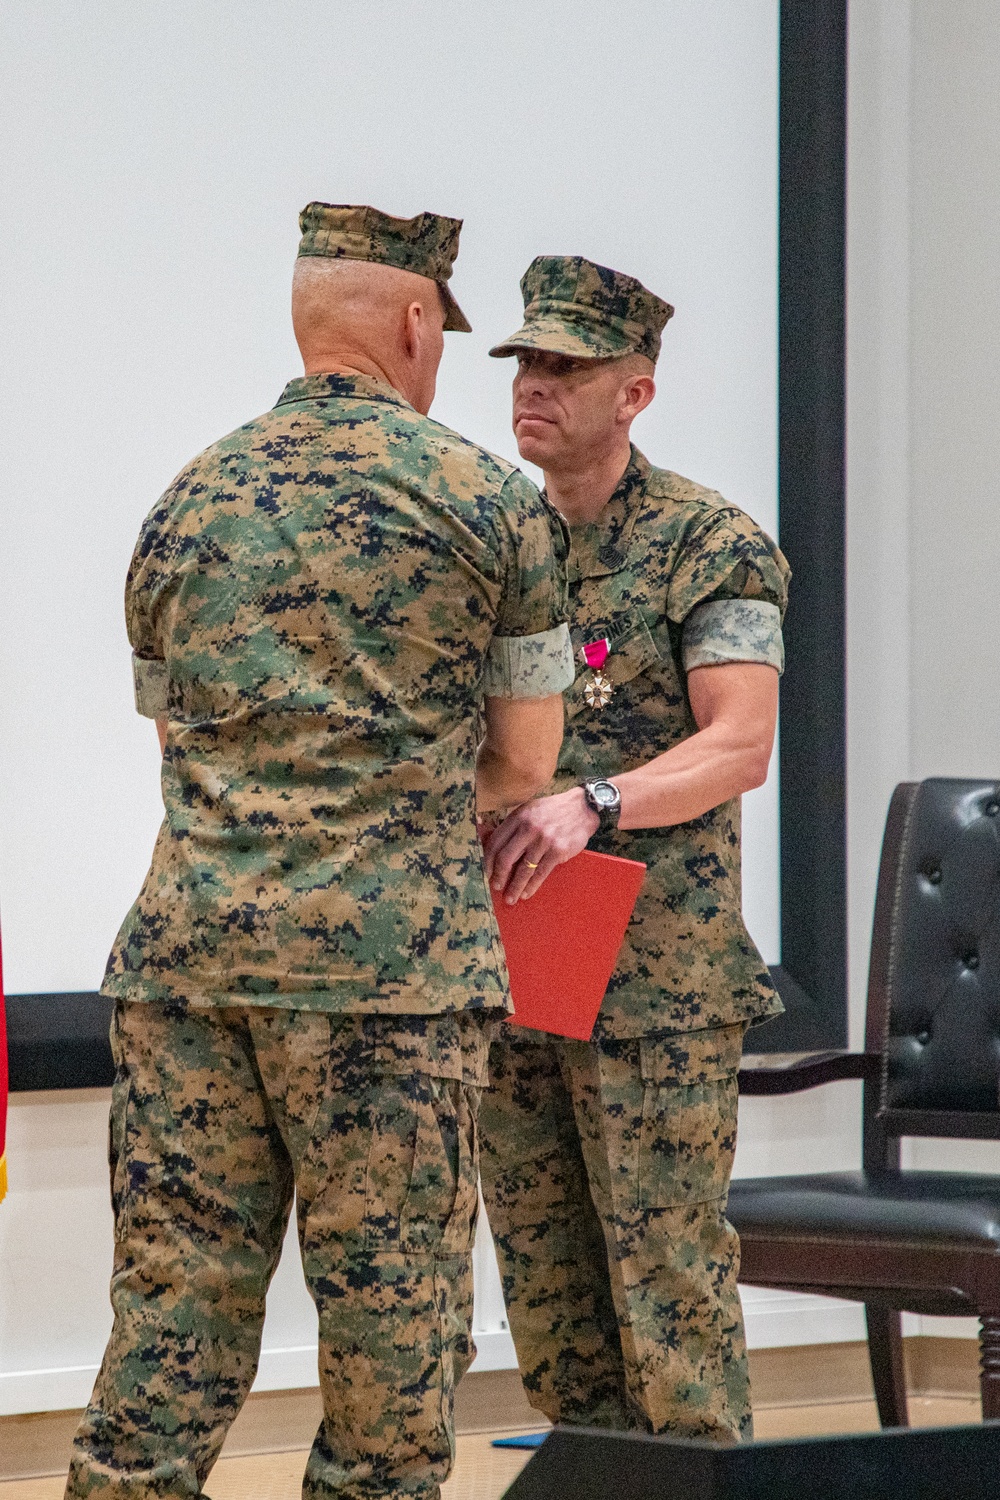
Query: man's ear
(636, 395)
(413, 328)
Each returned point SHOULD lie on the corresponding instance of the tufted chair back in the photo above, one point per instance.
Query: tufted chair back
(934, 982)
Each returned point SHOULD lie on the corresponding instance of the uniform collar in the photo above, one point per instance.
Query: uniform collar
(601, 547)
(335, 387)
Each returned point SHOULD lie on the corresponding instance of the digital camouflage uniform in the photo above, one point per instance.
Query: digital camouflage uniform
(306, 985)
(606, 1164)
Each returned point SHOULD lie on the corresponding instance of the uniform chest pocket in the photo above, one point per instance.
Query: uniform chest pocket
(633, 651)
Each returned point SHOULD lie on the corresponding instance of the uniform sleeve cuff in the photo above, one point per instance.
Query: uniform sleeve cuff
(727, 630)
(151, 682)
(529, 666)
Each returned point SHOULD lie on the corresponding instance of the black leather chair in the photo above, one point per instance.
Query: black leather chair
(925, 1242)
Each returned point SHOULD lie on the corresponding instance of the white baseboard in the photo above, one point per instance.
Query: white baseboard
(494, 1350)
(291, 1369)
(783, 1320)
(69, 1388)
(922, 1325)
(25, 1391)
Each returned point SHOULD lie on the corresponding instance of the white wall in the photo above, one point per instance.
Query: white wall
(878, 451)
(954, 421)
(955, 389)
(161, 155)
(923, 411)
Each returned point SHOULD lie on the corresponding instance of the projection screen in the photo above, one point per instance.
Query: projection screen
(163, 152)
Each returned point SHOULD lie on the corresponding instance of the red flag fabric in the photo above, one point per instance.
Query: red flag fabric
(3, 1089)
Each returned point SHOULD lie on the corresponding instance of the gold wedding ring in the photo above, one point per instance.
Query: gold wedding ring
(530, 865)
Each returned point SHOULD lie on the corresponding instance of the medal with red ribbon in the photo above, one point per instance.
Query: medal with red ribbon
(593, 655)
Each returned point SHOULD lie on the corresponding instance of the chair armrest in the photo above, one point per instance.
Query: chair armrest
(790, 1072)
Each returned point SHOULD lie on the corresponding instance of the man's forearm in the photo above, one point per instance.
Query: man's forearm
(735, 708)
(501, 783)
(519, 751)
(710, 767)
(685, 782)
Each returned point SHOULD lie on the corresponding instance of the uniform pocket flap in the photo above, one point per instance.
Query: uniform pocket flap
(448, 1046)
(632, 650)
(692, 1057)
(632, 653)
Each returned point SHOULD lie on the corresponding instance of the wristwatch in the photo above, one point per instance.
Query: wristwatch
(606, 800)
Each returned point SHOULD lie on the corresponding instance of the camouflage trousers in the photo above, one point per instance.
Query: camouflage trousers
(220, 1115)
(605, 1172)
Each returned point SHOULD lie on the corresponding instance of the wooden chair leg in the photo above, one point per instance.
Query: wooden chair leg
(989, 1365)
(885, 1353)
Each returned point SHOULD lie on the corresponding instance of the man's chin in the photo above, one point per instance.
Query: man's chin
(532, 446)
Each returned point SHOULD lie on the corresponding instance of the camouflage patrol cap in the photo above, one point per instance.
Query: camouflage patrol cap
(426, 244)
(574, 307)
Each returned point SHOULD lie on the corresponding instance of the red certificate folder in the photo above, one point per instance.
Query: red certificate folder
(562, 944)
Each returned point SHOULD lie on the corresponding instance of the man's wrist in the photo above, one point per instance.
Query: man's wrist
(588, 816)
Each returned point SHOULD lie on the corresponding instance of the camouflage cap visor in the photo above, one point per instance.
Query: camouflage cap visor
(455, 320)
(575, 333)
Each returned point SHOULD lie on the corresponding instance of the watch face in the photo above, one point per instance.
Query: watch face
(605, 794)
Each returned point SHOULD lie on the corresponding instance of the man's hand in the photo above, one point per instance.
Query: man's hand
(528, 845)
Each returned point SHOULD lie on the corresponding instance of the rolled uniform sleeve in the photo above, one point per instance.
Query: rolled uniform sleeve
(728, 630)
(728, 593)
(151, 682)
(529, 666)
(530, 655)
(149, 670)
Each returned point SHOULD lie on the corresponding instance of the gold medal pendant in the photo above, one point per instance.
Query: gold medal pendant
(598, 691)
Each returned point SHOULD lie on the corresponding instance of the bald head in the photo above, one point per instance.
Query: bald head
(356, 317)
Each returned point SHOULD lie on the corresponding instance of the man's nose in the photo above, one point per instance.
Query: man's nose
(532, 383)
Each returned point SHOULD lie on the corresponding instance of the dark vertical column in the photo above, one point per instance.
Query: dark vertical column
(812, 173)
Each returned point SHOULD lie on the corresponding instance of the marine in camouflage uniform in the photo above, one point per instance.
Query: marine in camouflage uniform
(305, 988)
(606, 1164)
